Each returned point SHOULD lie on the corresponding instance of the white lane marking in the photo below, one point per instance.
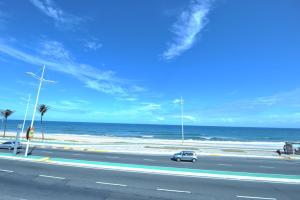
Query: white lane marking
(146, 159)
(114, 157)
(5, 170)
(47, 151)
(115, 184)
(224, 164)
(55, 177)
(267, 167)
(169, 190)
(77, 154)
(252, 197)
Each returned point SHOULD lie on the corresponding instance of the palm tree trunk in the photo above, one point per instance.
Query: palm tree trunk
(5, 127)
(42, 127)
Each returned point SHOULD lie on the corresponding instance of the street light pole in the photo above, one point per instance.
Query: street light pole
(34, 110)
(25, 117)
(182, 131)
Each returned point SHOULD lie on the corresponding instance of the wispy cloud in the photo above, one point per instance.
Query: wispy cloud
(188, 27)
(92, 44)
(54, 50)
(49, 8)
(177, 101)
(94, 78)
(149, 107)
(185, 117)
(76, 106)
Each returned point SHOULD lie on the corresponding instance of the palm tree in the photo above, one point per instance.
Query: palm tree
(42, 109)
(5, 114)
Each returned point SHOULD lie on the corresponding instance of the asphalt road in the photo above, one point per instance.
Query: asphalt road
(274, 166)
(32, 181)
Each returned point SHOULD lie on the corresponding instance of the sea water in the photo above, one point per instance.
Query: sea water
(212, 133)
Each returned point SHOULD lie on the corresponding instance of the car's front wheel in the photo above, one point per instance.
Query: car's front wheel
(194, 160)
(178, 159)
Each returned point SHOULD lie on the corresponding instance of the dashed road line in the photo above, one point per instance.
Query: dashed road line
(169, 190)
(77, 154)
(54, 177)
(47, 151)
(267, 167)
(229, 165)
(114, 184)
(253, 197)
(5, 170)
(114, 157)
(147, 159)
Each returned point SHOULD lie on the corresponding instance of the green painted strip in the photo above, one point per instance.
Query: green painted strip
(135, 166)
(245, 174)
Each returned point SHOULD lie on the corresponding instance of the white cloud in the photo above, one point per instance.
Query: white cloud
(177, 101)
(160, 118)
(76, 106)
(106, 87)
(189, 117)
(186, 117)
(100, 80)
(49, 8)
(93, 44)
(190, 23)
(54, 50)
(149, 107)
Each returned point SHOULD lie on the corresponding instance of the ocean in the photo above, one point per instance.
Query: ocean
(209, 133)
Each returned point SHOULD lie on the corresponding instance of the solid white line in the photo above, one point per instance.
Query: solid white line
(115, 184)
(168, 190)
(251, 197)
(5, 170)
(55, 177)
(224, 164)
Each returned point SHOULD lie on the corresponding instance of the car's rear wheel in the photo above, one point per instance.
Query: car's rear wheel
(194, 160)
(178, 159)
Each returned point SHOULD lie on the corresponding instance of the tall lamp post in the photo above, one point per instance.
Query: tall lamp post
(41, 79)
(25, 117)
(18, 133)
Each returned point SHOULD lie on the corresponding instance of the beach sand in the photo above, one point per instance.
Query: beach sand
(154, 146)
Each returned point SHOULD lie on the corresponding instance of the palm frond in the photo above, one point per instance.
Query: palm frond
(43, 108)
(6, 113)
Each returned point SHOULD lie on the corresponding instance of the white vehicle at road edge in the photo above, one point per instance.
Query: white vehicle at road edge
(185, 156)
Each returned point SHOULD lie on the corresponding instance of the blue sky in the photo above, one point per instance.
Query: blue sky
(236, 63)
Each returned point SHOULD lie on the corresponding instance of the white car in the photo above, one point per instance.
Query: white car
(10, 145)
(185, 156)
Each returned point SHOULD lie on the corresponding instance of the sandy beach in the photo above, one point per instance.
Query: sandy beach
(154, 146)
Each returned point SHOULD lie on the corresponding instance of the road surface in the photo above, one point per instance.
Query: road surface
(275, 166)
(24, 180)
